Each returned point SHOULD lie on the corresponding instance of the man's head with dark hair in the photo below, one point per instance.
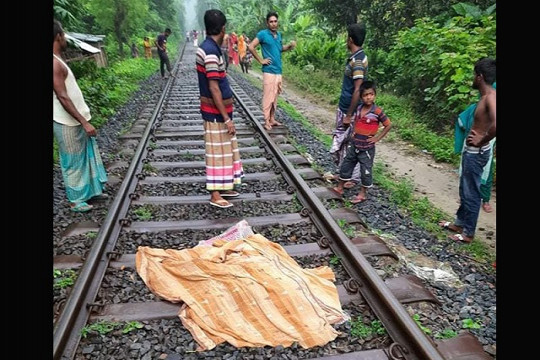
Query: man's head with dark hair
(272, 21)
(270, 14)
(168, 31)
(357, 32)
(59, 37)
(368, 84)
(214, 22)
(57, 29)
(486, 68)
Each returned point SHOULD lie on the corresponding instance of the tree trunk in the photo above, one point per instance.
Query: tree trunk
(119, 19)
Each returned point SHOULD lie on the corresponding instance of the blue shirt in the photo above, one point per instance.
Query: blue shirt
(271, 48)
(356, 68)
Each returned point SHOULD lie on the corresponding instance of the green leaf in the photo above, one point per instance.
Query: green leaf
(471, 324)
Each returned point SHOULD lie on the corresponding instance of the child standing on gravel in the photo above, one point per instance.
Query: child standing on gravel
(361, 148)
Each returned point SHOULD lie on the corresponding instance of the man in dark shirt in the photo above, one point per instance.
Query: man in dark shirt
(223, 165)
(354, 74)
(161, 44)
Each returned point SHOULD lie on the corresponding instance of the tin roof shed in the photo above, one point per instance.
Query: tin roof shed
(89, 46)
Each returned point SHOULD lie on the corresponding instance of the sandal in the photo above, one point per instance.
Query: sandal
(230, 194)
(447, 225)
(102, 196)
(81, 207)
(337, 192)
(222, 203)
(460, 238)
(357, 200)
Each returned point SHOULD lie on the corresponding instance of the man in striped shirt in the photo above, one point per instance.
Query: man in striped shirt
(224, 169)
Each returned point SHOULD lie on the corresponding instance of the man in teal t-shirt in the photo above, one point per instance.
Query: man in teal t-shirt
(272, 47)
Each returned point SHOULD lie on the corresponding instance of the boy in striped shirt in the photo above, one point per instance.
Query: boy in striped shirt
(361, 148)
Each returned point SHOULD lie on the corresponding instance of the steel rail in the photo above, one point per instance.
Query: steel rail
(409, 341)
(76, 309)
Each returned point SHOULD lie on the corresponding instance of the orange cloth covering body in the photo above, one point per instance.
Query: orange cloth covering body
(248, 292)
(242, 47)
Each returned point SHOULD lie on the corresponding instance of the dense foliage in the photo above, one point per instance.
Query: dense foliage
(384, 18)
(122, 21)
(118, 81)
(432, 63)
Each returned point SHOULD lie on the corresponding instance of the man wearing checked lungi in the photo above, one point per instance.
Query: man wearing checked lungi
(82, 168)
(224, 169)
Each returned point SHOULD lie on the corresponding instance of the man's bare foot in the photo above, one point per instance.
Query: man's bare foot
(487, 207)
(268, 127)
(460, 238)
(338, 191)
(447, 225)
(275, 123)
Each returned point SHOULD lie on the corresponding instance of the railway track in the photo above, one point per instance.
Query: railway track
(162, 202)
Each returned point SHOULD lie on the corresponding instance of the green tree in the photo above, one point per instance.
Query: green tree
(384, 18)
(249, 16)
(338, 14)
(69, 13)
(432, 63)
(166, 11)
(120, 17)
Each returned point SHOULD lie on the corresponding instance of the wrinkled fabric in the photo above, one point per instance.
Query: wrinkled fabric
(272, 84)
(224, 169)
(81, 164)
(340, 140)
(247, 292)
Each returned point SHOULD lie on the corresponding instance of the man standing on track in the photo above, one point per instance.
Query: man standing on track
(223, 165)
(80, 161)
(161, 44)
(272, 47)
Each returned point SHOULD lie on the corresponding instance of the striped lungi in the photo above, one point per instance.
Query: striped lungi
(223, 165)
(340, 141)
(82, 168)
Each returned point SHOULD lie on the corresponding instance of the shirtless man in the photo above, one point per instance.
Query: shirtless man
(476, 153)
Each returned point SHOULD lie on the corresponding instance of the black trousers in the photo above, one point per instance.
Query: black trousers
(164, 61)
